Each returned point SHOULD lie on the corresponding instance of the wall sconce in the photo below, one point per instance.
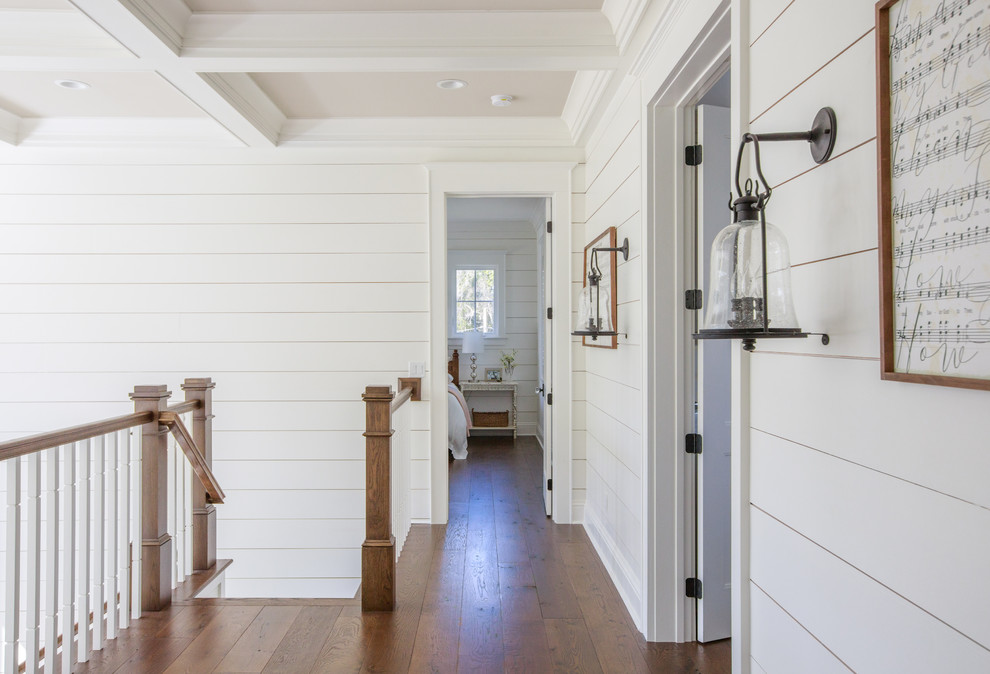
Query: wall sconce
(592, 321)
(750, 283)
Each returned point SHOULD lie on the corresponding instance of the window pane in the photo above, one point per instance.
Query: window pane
(465, 316)
(465, 284)
(486, 316)
(486, 284)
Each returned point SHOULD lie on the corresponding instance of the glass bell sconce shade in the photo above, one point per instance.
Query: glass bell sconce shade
(594, 316)
(737, 300)
(750, 271)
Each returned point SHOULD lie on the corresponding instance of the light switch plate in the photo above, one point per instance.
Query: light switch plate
(417, 369)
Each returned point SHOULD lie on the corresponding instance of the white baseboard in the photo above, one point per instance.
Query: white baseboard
(577, 509)
(616, 564)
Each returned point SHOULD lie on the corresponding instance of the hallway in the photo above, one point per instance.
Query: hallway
(500, 588)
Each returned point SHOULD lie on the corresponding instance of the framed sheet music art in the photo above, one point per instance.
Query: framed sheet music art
(933, 89)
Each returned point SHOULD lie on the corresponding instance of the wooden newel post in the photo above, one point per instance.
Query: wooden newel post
(204, 514)
(378, 551)
(156, 544)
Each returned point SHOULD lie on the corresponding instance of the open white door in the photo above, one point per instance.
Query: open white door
(714, 391)
(544, 335)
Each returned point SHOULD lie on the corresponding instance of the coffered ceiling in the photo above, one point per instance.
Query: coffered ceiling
(266, 73)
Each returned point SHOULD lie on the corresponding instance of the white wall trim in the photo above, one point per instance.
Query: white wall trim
(549, 179)
(616, 564)
(669, 486)
(103, 132)
(624, 15)
(10, 127)
(586, 95)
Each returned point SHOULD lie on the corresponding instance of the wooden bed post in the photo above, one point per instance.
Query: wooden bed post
(378, 551)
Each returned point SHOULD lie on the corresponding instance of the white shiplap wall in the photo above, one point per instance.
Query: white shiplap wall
(867, 497)
(518, 241)
(609, 402)
(293, 285)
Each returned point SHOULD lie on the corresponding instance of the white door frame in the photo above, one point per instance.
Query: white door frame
(501, 179)
(669, 540)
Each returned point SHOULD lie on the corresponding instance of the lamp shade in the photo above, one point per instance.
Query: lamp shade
(594, 315)
(736, 300)
(474, 342)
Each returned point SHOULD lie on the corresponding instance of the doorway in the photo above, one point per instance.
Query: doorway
(497, 284)
(712, 373)
(550, 182)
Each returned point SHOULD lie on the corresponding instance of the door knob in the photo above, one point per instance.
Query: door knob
(539, 391)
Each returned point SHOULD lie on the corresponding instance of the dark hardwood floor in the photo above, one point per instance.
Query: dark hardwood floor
(500, 588)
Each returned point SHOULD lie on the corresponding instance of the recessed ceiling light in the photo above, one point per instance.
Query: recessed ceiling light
(501, 100)
(451, 84)
(72, 84)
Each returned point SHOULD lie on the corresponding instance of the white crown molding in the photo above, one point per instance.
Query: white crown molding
(624, 15)
(584, 98)
(250, 101)
(433, 131)
(120, 132)
(10, 127)
(658, 35)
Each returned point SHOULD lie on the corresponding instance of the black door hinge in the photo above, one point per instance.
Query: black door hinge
(549, 226)
(692, 588)
(549, 313)
(549, 399)
(693, 299)
(692, 155)
(692, 443)
(550, 484)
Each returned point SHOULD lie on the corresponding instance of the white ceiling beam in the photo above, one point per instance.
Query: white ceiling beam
(102, 132)
(293, 34)
(10, 127)
(150, 31)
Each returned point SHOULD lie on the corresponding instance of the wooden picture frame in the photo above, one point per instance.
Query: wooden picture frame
(493, 374)
(607, 264)
(934, 195)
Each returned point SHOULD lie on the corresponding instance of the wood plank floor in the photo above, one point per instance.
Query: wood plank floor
(500, 588)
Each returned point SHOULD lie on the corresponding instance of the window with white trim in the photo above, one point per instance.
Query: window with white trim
(476, 292)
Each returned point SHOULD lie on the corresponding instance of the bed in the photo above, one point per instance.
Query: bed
(458, 417)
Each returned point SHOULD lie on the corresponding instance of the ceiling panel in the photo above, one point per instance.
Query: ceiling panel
(321, 95)
(112, 94)
(386, 5)
(35, 4)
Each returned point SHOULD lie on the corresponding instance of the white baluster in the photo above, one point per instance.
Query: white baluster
(68, 553)
(12, 604)
(124, 529)
(32, 641)
(171, 484)
(99, 540)
(135, 546)
(110, 582)
(82, 603)
(51, 559)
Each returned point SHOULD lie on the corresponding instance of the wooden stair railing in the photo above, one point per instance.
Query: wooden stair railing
(126, 569)
(378, 553)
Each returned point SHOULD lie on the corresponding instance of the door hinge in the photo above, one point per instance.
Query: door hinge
(692, 443)
(692, 155)
(549, 399)
(692, 588)
(549, 484)
(549, 313)
(549, 226)
(693, 299)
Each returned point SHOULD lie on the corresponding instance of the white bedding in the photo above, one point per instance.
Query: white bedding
(458, 422)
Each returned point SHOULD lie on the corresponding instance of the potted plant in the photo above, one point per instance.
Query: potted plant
(508, 361)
